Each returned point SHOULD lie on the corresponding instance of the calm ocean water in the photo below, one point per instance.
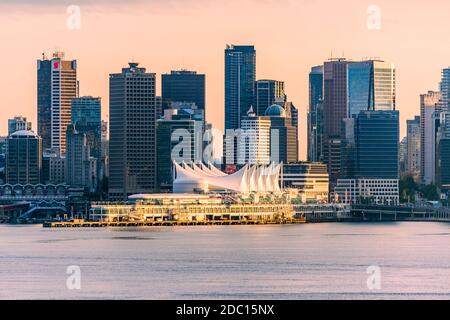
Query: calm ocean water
(312, 261)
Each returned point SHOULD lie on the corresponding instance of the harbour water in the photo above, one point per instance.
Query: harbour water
(306, 261)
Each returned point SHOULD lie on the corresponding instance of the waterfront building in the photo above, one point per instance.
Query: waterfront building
(315, 129)
(258, 179)
(23, 158)
(132, 146)
(57, 86)
(413, 154)
(195, 208)
(268, 92)
(370, 86)
(18, 123)
(179, 138)
(240, 76)
(183, 86)
(377, 144)
(367, 191)
(309, 179)
(430, 109)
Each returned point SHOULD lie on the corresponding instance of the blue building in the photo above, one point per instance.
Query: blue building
(240, 76)
(87, 119)
(315, 114)
(371, 86)
(183, 86)
(267, 93)
(377, 144)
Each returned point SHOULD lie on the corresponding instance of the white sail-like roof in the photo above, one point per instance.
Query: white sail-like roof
(256, 178)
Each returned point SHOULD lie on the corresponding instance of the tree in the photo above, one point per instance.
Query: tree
(408, 189)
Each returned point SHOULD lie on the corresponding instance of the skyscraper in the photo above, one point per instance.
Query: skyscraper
(413, 153)
(240, 76)
(371, 86)
(267, 93)
(86, 116)
(315, 129)
(334, 111)
(179, 138)
(445, 89)
(132, 146)
(183, 86)
(18, 123)
(377, 144)
(23, 158)
(430, 110)
(57, 86)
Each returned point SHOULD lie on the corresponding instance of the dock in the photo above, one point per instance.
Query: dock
(125, 224)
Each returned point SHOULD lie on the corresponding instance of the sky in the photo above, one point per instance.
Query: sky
(290, 37)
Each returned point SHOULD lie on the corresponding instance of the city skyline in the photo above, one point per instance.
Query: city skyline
(276, 58)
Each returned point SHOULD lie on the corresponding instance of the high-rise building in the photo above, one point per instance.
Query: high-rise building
(105, 150)
(18, 123)
(403, 157)
(283, 135)
(81, 167)
(445, 89)
(23, 158)
(57, 86)
(430, 110)
(254, 144)
(315, 129)
(132, 146)
(179, 138)
(267, 93)
(334, 111)
(443, 154)
(413, 153)
(183, 86)
(377, 144)
(86, 117)
(240, 76)
(371, 86)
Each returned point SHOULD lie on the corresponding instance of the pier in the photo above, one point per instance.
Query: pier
(79, 223)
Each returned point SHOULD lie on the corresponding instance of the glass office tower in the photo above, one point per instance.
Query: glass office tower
(183, 86)
(377, 144)
(315, 114)
(240, 77)
(371, 86)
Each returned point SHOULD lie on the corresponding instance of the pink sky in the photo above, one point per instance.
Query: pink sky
(290, 36)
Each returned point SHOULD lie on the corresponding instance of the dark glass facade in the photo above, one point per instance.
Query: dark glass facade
(267, 93)
(240, 77)
(377, 144)
(183, 86)
(315, 114)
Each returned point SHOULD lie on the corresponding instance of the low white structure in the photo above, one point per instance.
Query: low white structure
(250, 179)
(377, 191)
